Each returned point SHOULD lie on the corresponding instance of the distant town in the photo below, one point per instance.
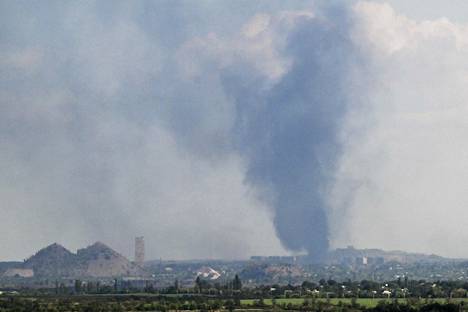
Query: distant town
(98, 278)
(98, 263)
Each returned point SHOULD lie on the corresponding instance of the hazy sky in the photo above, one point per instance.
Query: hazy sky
(454, 10)
(224, 129)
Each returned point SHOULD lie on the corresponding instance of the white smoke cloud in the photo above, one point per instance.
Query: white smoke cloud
(90, 149)
(404, 163)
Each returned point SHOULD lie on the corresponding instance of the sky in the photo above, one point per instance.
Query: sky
(226, 129)
(431, 9)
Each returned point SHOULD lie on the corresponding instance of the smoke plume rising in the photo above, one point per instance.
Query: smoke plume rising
(289, 131)
(228, 129)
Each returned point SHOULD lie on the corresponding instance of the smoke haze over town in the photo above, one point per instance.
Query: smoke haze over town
(225, 129)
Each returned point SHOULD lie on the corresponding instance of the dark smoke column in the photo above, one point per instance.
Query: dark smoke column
(289, 132)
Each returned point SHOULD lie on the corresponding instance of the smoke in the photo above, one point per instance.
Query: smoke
(288, 132)
(92, 123)
(230, 129)
(401, 182)
(286, 78)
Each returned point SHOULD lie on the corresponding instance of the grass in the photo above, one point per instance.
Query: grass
(366, 302)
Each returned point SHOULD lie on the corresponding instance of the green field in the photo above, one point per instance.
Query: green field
(299, 301)
(366, 302)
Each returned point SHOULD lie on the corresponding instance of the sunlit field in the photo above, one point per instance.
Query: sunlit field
(366, 302)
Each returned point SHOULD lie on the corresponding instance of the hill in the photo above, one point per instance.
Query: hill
(98, 260)
(351, 255)
(95, 261)
(54, 260)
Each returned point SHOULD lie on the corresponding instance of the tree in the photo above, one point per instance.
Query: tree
(198, 284)
(230, 305)
(308, 285)
(237, 283)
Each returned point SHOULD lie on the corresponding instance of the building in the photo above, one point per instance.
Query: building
(139, 250)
